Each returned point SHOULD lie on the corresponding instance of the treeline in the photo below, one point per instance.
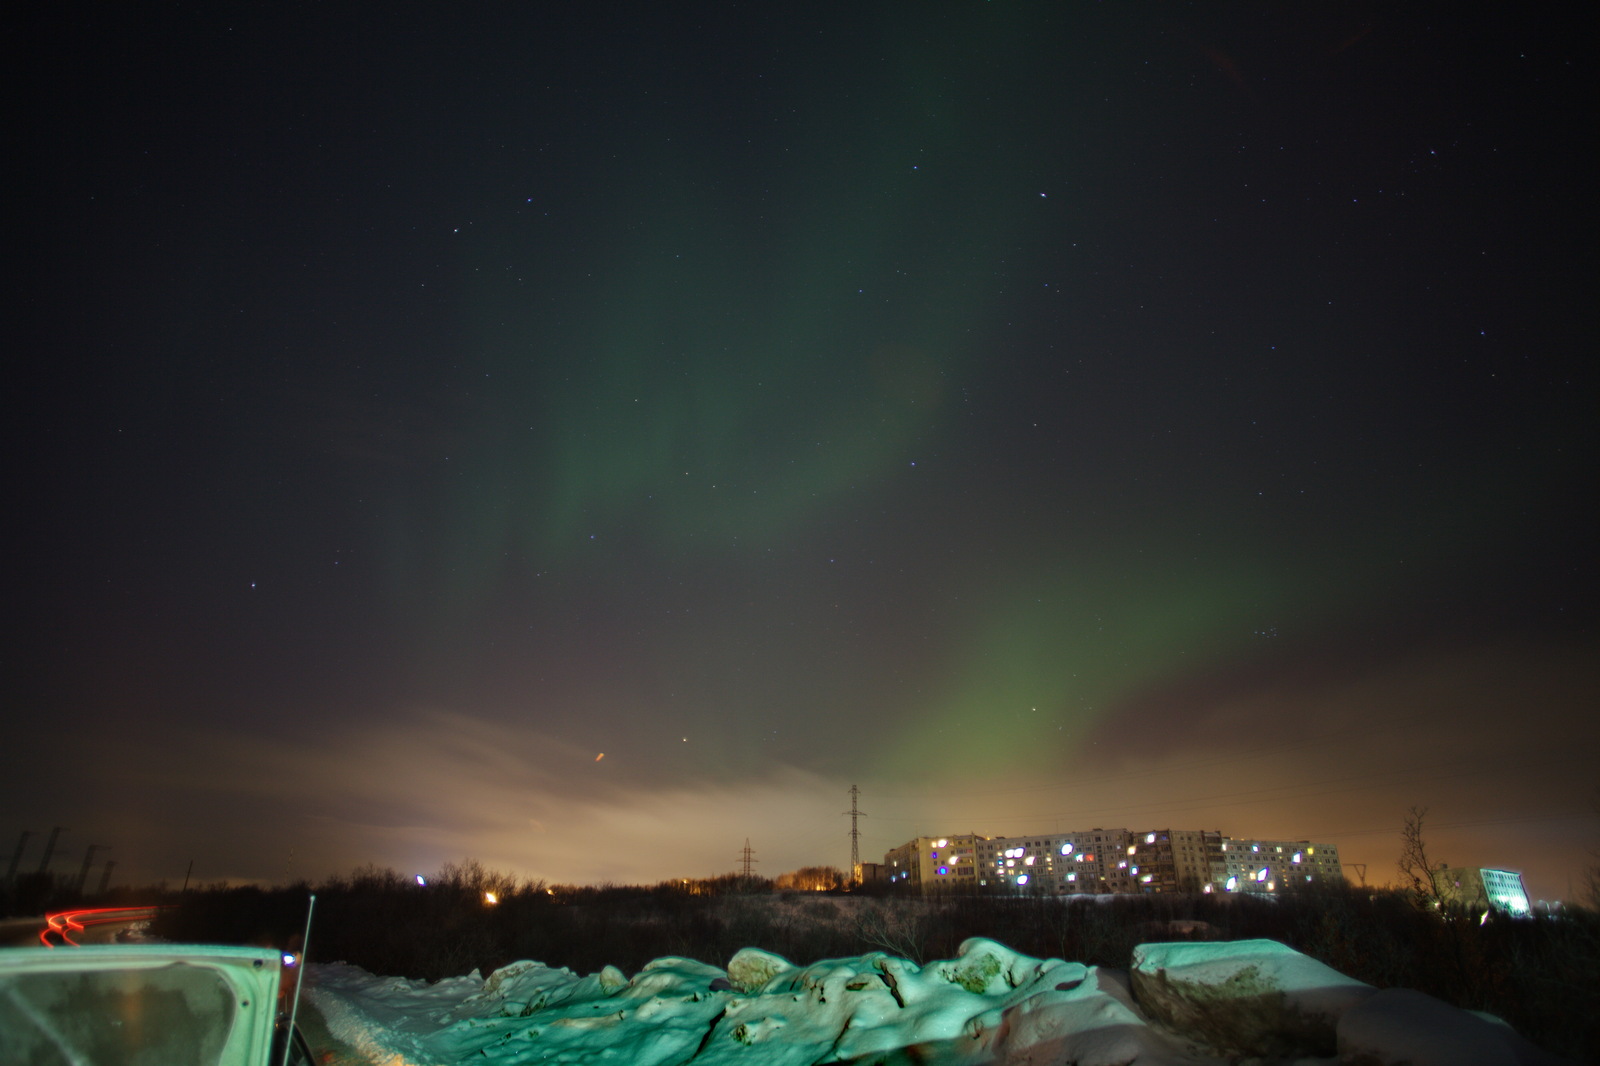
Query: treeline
(1537, 973)
(30, 895)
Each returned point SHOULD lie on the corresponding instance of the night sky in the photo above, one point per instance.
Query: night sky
(1043, 416)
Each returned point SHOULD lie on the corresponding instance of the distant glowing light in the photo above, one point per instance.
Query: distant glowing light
(289, 959)
(422, 882)
(1022, 879)
(1066, 849)
(1149, 838)
(491, 898)
(602, 755)
(1232, 885)
(940, 843)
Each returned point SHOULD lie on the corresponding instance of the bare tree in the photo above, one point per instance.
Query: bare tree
(1415, 866)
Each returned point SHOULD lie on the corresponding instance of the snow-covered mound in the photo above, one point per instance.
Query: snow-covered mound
(987, 1005)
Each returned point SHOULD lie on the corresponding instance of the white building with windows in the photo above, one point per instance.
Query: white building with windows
(1088, 860)
(1480, 889)
(930, 863)
(1112, 860)
(1268, 866)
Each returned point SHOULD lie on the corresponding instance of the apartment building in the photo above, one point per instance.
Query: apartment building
(1480, 889)
(1088, 860)
(1112, 860)
(1250, 865)
(927, 862)
(1175, 860)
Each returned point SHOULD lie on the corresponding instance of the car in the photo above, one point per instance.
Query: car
(145, 1005)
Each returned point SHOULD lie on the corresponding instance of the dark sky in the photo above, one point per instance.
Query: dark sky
(1043, 416)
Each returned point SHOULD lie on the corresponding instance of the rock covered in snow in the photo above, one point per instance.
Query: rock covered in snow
(750, 968)
(1253, 997)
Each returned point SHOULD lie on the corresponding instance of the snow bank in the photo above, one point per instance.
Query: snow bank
(987, 1005)
(1401, 1027)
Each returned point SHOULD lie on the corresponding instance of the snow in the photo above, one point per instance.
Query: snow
(1399, 1025)
(987, 1005)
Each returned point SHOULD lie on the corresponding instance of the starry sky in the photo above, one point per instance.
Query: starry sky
(1040, 415)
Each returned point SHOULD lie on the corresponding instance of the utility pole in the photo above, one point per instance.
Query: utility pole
(11, 874)
(105, 880)
(50, 847)
(1361, 871)
(855, 812)
(88, 861)
(747, 857)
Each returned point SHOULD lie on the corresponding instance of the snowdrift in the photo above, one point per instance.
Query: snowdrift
(1182, 1004)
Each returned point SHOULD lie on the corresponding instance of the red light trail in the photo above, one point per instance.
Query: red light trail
(64, 923)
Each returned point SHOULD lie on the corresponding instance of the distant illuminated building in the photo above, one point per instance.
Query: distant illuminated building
(1089, 861)
(928, 863)
(1112, 861)
(1175, 860)
(1481, 890)
(1271, 866)
(1056, 863)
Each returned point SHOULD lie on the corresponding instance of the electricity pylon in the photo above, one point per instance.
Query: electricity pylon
(747, 857)
(855, 835)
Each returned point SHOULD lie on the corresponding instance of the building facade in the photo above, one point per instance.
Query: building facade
(930, 863)
(1482, 889)
(1056, 863)
(1111, 861)
(1269, 866)
(1175, 860)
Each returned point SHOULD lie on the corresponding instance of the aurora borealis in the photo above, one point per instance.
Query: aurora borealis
(1040, 415)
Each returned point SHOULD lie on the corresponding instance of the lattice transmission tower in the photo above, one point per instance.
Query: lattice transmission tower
(746, 858)
(855, 812)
